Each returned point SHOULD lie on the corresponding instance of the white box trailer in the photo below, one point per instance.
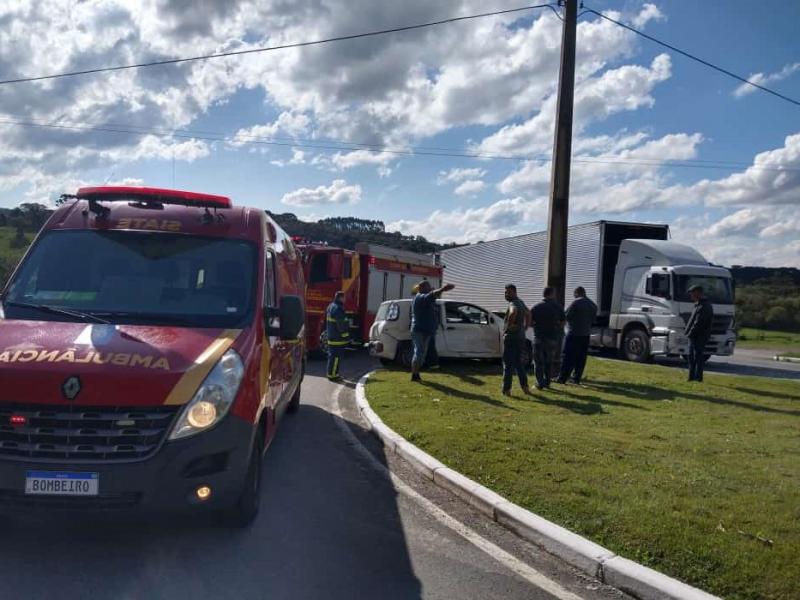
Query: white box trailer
(635, 275)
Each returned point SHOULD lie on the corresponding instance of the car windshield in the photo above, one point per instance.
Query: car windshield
(716, 289)
(135, 278)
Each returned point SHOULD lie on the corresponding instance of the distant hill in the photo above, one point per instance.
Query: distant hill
(345, 232)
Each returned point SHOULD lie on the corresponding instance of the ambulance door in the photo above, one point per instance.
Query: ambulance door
(274, 354)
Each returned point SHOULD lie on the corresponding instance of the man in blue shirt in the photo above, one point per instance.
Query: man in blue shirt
(337, 328)
(580, 318)
(424, 323)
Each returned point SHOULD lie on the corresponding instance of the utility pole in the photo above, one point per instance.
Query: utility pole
(555, 273)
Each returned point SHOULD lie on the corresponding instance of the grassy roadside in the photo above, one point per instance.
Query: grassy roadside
(769, 340)
(699, 481)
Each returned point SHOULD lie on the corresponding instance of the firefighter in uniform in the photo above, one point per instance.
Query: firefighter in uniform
(338, 331)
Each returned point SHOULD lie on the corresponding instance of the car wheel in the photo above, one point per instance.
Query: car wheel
(636, 346)
(405, 354)
(245, 510)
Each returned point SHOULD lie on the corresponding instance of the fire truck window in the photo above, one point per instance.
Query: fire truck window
(319, 269)
(348, 268)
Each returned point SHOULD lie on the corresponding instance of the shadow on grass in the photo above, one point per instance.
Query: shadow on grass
(590, 407)
(650, 392)
(598, 400)
(785, 396)
(455, 392)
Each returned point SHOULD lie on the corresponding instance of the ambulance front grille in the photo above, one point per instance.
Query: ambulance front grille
(82, 434)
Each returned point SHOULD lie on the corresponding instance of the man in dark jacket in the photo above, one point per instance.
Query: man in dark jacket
(424, 323)
(337, 328)
(580, 317)
(515, 323)
(698, 330)
(547, 318)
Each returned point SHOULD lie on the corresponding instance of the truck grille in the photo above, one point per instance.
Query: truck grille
(82, 433)
(721, 324)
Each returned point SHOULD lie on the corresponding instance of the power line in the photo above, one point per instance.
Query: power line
(341, 38)
(693, 57)
(342, 146)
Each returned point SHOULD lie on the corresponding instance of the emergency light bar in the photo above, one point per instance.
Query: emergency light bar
(145, 194)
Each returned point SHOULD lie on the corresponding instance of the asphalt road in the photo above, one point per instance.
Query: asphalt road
(332, 525)
(748, 362)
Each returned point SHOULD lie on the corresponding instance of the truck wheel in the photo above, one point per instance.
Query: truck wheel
(245, 510)
(405, 354)
(636, 346)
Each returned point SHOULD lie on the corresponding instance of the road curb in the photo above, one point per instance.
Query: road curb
(789, 359)
(591, 558)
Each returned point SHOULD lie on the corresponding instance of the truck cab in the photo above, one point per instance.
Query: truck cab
(651, 305)
(150, 341)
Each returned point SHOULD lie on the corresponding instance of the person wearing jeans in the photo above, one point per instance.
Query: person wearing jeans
(547, 318)
(580, 316)
(424, 323)
(698, 330)
(515, 323)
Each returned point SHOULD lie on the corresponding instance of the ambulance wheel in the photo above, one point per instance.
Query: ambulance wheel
(245, 510)
(636, 346)
(405, 354)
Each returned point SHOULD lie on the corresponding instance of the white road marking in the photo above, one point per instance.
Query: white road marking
(509, 561)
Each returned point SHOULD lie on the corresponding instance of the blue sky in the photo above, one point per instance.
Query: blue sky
(484, 86)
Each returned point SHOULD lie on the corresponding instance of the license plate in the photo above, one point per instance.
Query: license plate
(52, 483)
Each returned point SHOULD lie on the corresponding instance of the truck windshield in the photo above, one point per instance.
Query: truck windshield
(717, 289)
(135, 278)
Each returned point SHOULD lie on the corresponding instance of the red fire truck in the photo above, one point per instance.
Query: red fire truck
(368, 276)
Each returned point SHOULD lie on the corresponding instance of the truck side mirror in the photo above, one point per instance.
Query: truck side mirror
(293, 317)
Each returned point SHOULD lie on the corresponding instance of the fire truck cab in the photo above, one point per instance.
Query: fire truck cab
(150, 341)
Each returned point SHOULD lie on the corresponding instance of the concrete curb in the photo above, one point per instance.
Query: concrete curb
(621, 573)
(789, 359)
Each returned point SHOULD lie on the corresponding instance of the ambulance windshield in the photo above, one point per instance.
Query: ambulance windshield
(135, 278)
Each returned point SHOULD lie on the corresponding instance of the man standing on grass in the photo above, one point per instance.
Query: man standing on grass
(547, 318)
(698, 330)
(424, 323)
(580, 316)
(337, 328)
(515, 323)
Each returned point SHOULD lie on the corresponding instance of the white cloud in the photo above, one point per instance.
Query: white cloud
(764, 80)
(456, 175)
(357, 158)
(338, 192)
(470, 187)
(287, 123)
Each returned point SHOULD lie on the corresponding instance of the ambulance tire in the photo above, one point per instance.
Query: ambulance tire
(244, 512)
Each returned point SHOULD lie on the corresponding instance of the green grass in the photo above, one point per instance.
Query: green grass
(9, 257)
(769, 340)
(700, 481)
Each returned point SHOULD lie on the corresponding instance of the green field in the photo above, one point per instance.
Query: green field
(9, 256)
(700, 481)
(769, 340)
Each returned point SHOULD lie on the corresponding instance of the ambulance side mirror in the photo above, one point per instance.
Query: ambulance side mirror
(293, 317)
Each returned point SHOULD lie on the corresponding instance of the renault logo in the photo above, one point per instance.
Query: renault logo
(71, 387)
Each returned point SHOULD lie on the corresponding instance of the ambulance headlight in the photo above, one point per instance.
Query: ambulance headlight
(212, 399)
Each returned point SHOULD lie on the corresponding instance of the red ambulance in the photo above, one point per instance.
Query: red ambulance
(150, 340)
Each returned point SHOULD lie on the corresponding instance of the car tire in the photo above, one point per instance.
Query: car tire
(636, 346)
(405, 354)
(245, 510)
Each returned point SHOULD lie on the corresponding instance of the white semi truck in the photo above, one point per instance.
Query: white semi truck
(638, 278)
